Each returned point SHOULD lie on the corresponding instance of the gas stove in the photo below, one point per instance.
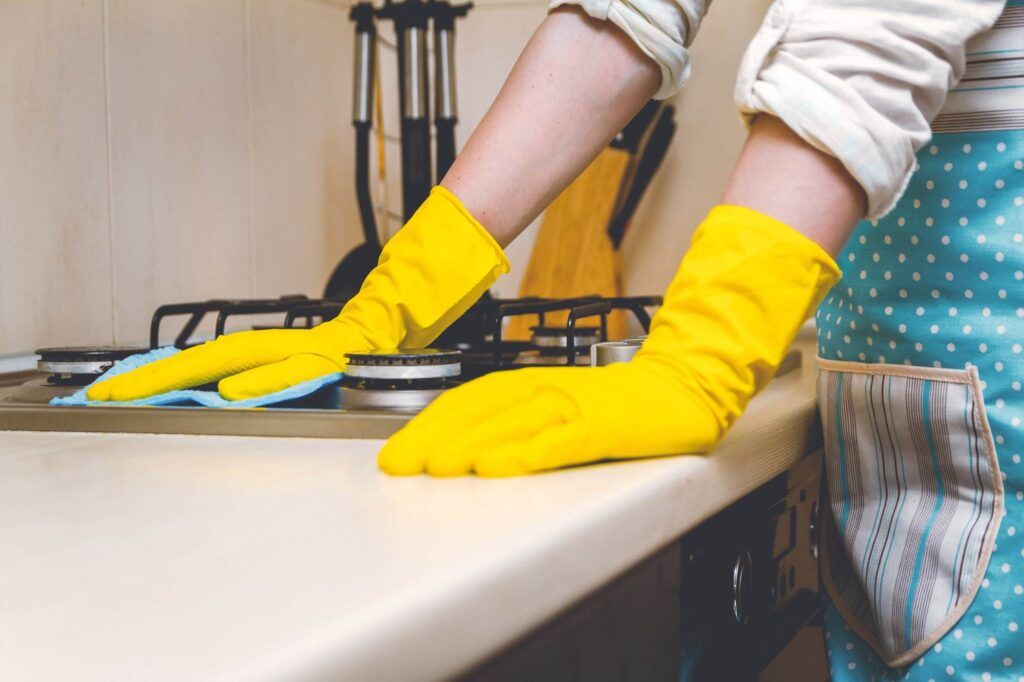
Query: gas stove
(380, 391)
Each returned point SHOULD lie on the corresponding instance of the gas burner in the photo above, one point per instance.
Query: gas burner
(558, 337)
(404, 365)
(551, 346)
(405, 380)
(78, 366)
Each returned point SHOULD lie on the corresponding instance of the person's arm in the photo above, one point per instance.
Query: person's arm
(577, 83)
(861, 81)
(780, 175)
(575, 86)
(758, 266)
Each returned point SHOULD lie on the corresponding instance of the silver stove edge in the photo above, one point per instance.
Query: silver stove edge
(20, 415)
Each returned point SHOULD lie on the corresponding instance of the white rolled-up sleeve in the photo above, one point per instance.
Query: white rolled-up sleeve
(861, 79)
(662, 29)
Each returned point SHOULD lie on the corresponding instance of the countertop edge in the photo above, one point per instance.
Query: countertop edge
(639, 522)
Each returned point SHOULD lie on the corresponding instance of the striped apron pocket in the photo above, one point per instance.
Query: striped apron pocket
(916, 498)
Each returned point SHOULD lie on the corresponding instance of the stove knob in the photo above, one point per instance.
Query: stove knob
(742, 587)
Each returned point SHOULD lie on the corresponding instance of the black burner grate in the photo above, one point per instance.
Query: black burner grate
(478, 334)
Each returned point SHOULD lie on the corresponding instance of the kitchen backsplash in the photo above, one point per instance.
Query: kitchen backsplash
(159, 151)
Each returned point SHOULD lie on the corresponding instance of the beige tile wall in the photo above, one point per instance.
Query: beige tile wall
(184, 149)
(302, 166)
(179, 154)
(166, 151)
(54, 211)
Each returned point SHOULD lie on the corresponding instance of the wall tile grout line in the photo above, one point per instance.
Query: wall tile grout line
(251, 179)
(110, 170)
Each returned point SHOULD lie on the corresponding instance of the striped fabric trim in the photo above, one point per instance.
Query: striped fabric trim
(993, 68)
(916, 499)
(1012, 17)
(988, 96)
(979, 120)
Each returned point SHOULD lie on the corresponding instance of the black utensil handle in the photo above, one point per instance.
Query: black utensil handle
(363, 194)
(416, 171)
(363, 62)
(362, 113)
(446, 112)
(629, 138)
(445, 138)
(411, 18)
(650, 160)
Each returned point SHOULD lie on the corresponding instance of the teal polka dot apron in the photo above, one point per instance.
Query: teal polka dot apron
(920, 392)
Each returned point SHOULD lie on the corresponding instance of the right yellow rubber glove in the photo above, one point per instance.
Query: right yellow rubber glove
(429, 273)
(742, 292)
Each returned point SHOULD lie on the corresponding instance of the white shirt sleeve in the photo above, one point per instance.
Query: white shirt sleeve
(861, 79)
(662, 29)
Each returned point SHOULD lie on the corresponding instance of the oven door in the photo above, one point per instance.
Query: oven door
(750, 578)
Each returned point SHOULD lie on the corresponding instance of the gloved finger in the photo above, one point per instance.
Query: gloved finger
(199, 365)
(456, 455)
(541, 452)
(276, 376)
(478, 399)
(406, 452)
(402, 456)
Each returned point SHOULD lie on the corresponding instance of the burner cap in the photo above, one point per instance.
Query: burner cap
(429, 363)
(405, 358)
(82, 359)
(557, 337)
(87, 353)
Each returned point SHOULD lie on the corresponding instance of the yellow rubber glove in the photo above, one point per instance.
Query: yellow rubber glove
(741, 294)
(429, 273)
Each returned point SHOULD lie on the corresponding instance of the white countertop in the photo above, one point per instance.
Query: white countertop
(199, 557)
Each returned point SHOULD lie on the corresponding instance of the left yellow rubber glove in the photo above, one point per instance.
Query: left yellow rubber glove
(744, 288)
(429, 273)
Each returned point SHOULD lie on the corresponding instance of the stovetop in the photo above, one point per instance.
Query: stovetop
(380, 392)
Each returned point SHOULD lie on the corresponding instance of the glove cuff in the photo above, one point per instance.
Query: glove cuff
(765, 229)
(442, 193)
(428, 275)
(743, 290)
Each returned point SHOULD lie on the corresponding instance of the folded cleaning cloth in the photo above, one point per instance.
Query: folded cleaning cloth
(192, 396)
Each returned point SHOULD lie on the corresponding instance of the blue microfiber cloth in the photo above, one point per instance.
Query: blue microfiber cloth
(192, 396)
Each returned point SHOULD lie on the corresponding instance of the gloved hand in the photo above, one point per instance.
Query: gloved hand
(429, 273)
(732, 311)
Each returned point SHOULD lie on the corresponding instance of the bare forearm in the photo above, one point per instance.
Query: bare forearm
(782, 176)
(577, 83)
